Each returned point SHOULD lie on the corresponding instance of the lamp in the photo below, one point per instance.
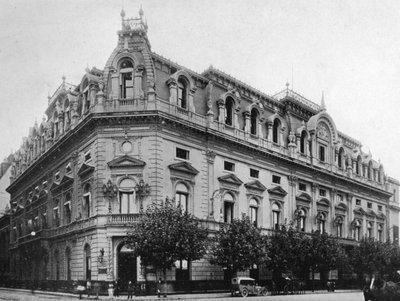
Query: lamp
(101, 256)
(142, 189)
(110, 190)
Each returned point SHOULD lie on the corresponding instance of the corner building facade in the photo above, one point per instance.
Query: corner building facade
(143, 129)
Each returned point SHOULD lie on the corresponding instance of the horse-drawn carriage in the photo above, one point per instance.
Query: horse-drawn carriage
(380, 290)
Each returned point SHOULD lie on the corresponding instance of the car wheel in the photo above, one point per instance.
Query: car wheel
(264, 292)
(245, 292)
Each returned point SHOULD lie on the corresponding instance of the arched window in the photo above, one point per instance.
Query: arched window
(229, 107)
(341, 158)
(87, 264)
(57, 264)
(370, 229)
(182, 93)
(67, 209)
(358, 166)
(254, 211)
(127, 202)
(303, 142)
(126, 78)
(321, 218)
(228, 207)
(301, 220)
(182, 196)
(253, 121)
(369, 170)
(357, 230)
(380, 232)
(339, 226)
(87, 200)
(275, 131)
(68, 262)
(276, 216)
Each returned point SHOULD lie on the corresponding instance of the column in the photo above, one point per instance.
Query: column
(221, 110)
(138, 91)
(313, 209)
(211, 214)
(173, 92)
(247, 121)
(191, 99)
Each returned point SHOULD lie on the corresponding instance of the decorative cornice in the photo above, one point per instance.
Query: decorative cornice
(126, 162)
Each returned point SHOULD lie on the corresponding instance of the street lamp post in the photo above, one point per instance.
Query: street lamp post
(142, 189)
(110, 190)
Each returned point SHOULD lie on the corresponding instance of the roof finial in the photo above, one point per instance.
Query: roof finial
(323, 107)
(287, 87)
(141, 11)
(63, 78)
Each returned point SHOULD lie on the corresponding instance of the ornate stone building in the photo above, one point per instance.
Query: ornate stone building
(144, 128)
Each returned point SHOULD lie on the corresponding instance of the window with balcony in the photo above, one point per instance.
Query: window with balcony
(127, 197)
(303, 143)
(321, 153)
(87, 200)
(276, 127)
(229, 107)
(67, 209)
(254, 117)
(182, 93)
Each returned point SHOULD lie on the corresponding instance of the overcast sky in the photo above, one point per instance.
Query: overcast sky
(348, 49)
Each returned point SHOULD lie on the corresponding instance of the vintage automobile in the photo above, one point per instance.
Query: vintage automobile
(246, 286)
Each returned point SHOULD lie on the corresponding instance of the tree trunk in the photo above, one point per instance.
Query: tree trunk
(165, 281)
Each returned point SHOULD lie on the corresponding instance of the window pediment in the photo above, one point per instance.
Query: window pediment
(371, 213)
(183, 167)
(359, 211)
(303, 196)
(323, 202)
(230, 179)
(278, 190)
(381, 216)
(126, 162)
(341, 207)
(255, 185)
(85, 169)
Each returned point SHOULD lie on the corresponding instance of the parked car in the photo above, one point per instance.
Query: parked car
(245, 286)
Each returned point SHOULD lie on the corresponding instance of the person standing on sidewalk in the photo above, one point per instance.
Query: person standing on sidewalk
(88, 287)
(131, 289)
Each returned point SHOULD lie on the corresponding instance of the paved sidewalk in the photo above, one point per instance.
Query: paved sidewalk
(194, 296)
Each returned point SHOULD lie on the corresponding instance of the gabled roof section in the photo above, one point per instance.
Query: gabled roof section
(85, 169)
(66, 180)
(278, 190)
(184, 167)
(257, 185)
(231, 179)
(126, 162)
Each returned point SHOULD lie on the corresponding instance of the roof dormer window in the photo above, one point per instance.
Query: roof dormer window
(126, 79)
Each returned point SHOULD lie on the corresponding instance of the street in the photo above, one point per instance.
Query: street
(24, 295)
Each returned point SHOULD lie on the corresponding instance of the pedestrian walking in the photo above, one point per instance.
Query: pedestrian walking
(88, 287)
(131, 289)
(160, 288)
(116, 288)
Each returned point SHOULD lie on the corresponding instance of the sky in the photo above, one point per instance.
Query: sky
(348, 50)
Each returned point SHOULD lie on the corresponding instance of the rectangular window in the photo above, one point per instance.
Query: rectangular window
(322, 153)
(358, 202)
(229, 166)
(67, 212)
(369, 205)
(276, 179)
(322, 192)
(182, 153)
(56, 216)
(88, 156)
(182, 270)
(181, 200)
(379, 207)
(57, 176)
(254, 173)
(340, 197)
(86, 199)
(302, 187)
(253, 215)
(275, 219)
(127, 204)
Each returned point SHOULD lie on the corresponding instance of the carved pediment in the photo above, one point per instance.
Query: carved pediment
(85, 169)
(278, 190)
(66, 180)
(255, 185)
(381, 215)
(341, 206)
(126, 162)
(323, 202)
(230, 179)
(183, 167)
(371, 213)
(359, 211)
(304, 196)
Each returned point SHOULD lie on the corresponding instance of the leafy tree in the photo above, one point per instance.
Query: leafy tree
(165, 234)
(287, 251)
(237, 246)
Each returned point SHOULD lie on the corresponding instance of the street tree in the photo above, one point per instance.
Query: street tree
(238, 246)
(165, 234)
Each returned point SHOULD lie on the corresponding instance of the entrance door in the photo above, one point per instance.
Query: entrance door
(126, 266)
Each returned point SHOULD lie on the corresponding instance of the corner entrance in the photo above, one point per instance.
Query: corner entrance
(127, 266)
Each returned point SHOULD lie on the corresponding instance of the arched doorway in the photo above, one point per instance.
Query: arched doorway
(127, 266)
